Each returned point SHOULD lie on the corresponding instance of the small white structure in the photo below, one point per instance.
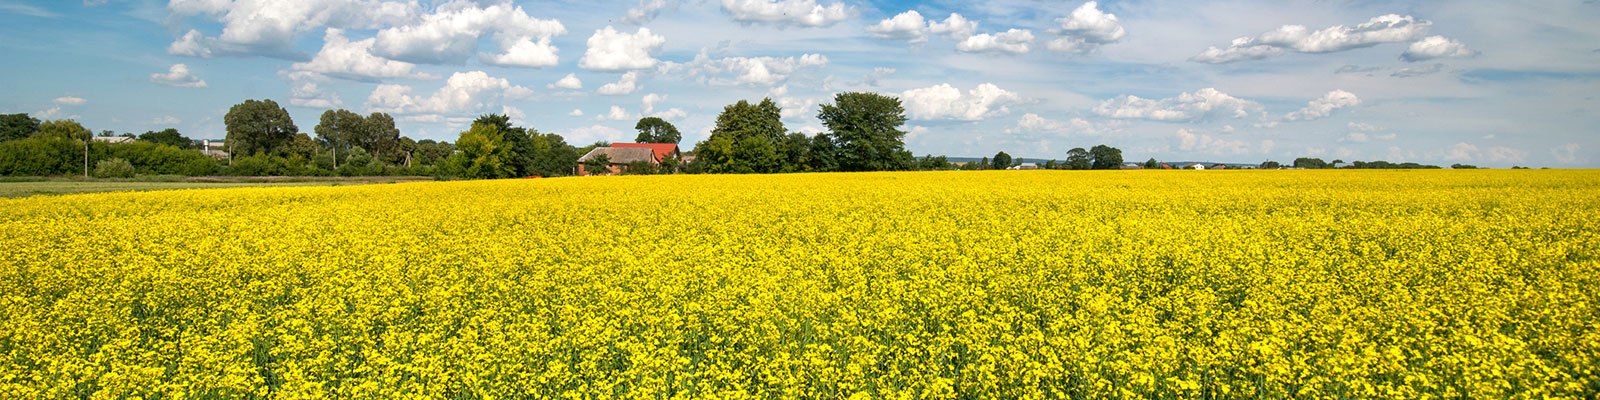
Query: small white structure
(1026, 166)
(1195, 166)
(113, 139)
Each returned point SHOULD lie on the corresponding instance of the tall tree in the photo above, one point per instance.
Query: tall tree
(656, 130)
(1001, 160)
(17, 126)
(65, 128)
(1310, 163)
(380, 136)
(1078, 158)
(744, 140)
(169, 137)
(866, 129)
(258, 126)
(483, 152)
(1151, 163)
(1106, 157)
(339, 129)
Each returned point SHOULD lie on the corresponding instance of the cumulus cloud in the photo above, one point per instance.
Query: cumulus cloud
(451, 34)
(1389, 28)
(873, 78)
(464, 92)
(342, 58)
(616, 114)
(576, 113)
(70, 100)
(627, 84)
(1086, 29)
(610, 50)
(908, 26)
(1436, 47)
(954, 27)
(1013, 41)
(943, 101)
(647, 11)
(1324, 106)
(754, 71)
(306, 90)
(178, 76)
(1191, 141)
(1500, 154)
(268, 27)
(567, 82)
(1566, 153)
(1459, 152)
(1184, 107)
(803, 13)
(1033, 123)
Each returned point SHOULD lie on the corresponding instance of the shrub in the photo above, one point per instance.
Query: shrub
(113, 168)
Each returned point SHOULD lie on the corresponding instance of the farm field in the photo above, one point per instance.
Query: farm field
(59, 186)
(983, 284)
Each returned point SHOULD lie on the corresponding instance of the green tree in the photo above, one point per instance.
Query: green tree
(430, 152)
(1274, 165)
(113, 168)
(600, 164)
(65, 129)
(822, 155)
(169, 137)
(552, 156)
(1310, 163)
(1001, 160)
(656, 130)
(1151, 163)
(17, 126)
(258, 126)
(340, 129)
(379, 135)
(483, 153)
(1078, 158)
(866, 129)
(1106, 157)
(744, 140)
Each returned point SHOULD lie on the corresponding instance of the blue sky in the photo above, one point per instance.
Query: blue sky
(1491, 83)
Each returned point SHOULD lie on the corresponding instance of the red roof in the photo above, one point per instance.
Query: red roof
(661, 150)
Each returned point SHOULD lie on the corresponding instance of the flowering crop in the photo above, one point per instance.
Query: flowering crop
(995, 284)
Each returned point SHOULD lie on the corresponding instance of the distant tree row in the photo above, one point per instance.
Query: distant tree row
(863, 135)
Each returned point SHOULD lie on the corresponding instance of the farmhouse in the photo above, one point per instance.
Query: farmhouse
(1194, 166)
(622, 154)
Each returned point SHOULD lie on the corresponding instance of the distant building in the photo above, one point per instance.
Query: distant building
(1197, 166)
(214, 148)
(1132, 166)
(1025, 166)
(1166, 166)
(622, 154)
(113, 139)
(1219, 166)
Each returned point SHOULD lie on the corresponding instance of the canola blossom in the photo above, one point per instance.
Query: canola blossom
(912, 285)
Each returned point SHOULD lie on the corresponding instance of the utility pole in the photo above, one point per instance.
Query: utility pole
(86, 157)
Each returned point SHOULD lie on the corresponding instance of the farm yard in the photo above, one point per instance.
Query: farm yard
(978, 284)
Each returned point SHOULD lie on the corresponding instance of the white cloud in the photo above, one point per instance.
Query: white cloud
(616, 114)
(1436, 47)
(955, 27)
(1411, 72)
(754, 71)
(1566, 153)
(1202, 143)
(595, 133)
(567, 82)
(610, 50)
(178, 76)
(908, 26)
(1389, 28)
(650, 101)
(1460, 152)
(53, 113)
(1184, 107)
(306, 89)
(29, 10)
(627, 84)
(1324, 106)
(576, 113)
(671, 114)
(268, 27)
(647, 11)
(1361, 126)
(1499, 154)
(451, 35)
(1031, 122)
(1013, 41)
(1086, 29)
(943, 101)
(70, 100)
(464, 92)
(342, 58)
(804, 13)
(167, 120)
(873, 78)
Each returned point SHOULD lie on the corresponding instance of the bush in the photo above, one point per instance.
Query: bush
(113, 168)
(41, 157)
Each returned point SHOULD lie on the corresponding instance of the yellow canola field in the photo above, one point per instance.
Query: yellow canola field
(996, 284)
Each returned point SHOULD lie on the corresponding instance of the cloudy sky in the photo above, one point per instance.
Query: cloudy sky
(1493, 83)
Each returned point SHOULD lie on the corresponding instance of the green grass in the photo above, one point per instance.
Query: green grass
(14, 188)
